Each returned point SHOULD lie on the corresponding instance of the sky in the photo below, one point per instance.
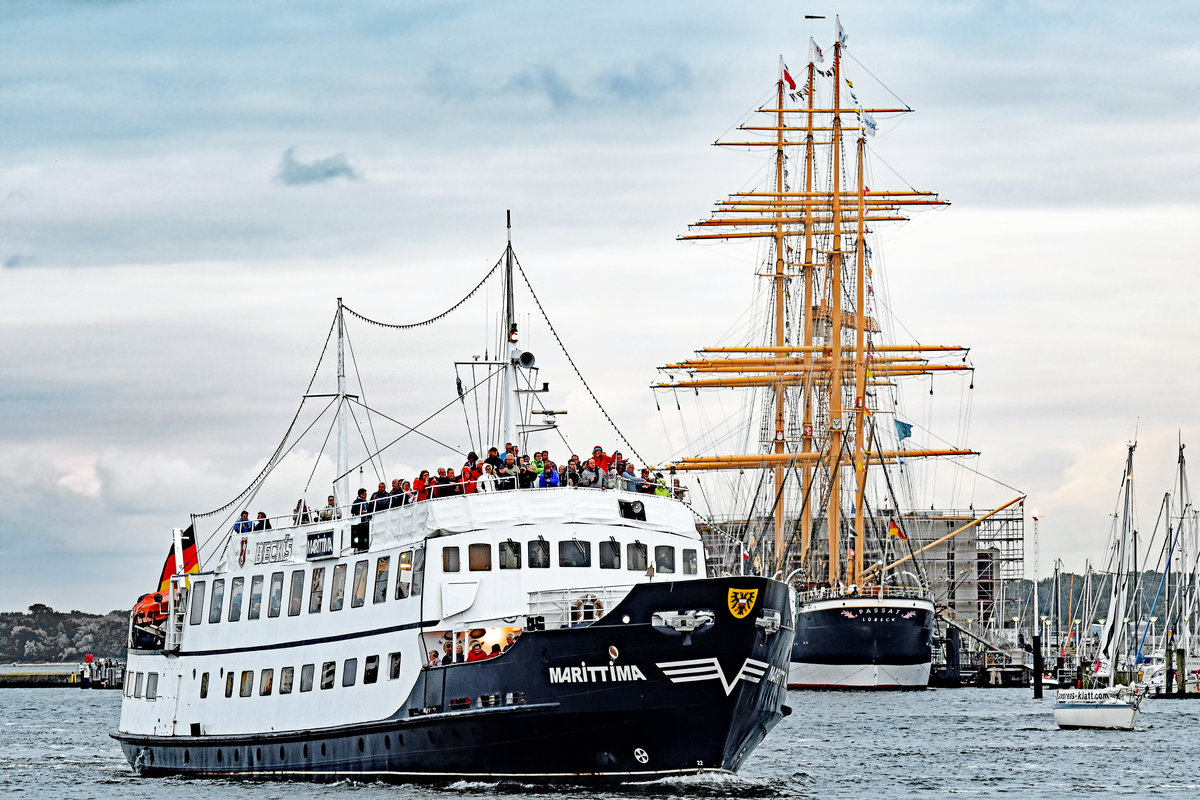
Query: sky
(186, 188)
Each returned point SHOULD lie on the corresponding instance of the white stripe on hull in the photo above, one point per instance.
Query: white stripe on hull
(802, 675)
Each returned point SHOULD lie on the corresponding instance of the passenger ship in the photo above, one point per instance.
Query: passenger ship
(304, 650)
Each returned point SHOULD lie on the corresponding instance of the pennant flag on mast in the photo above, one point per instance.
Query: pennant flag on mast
(894, 531)
(190, 561)
(787, 76)
(841, 34)
(820, 57)
(903, 429)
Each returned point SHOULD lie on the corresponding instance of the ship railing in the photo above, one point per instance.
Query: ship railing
(987, 637)
(866, 592)
(564, 608)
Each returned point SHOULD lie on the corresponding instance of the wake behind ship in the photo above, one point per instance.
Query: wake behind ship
(483, 627)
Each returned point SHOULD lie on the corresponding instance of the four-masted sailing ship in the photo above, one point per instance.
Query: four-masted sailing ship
(821, 374)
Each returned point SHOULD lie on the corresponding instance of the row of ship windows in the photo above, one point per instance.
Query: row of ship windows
(571, 553)
(266, 678)
(408, 584)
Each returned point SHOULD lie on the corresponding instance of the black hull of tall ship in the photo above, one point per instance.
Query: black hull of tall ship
(862, 643)
(622, 699)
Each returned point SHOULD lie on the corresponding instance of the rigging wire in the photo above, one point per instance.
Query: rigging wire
(571, 361)
(279, 449)
(431, 320)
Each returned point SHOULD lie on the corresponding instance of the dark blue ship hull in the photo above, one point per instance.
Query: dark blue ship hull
(862, 643)
(617, 700)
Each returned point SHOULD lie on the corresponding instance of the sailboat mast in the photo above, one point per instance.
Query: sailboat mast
(833, 510)
(779, 387)
(341, 487)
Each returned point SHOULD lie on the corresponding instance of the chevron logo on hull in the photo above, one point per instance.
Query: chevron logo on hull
(709, 669)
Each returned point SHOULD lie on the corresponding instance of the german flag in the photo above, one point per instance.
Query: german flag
(190, 562)
(895, 532)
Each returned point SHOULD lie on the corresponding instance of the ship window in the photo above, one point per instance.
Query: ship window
(479, 557)
(306, 677)
(137, 684)
(664, 558)
(371, 669)
(635, 557)
(256, 584)
(247, 687)
(610, 554)
(574, 553)
(381, 578)
(539, 554)
(328, 670)
(450, 559)
(265, 682)
(509, 555)
(229, 685)
(197, 602)
(151, 685)
(286, 676)
(418, 571)
(235, 599)
(218, 597)
(204, 686)
(349, 671)
(296, 596)
(127, 684)
(404, 575)
(276, 604)
(690, 563)
(338, 592)
(316, 591)
(360, 585)
(393, 666)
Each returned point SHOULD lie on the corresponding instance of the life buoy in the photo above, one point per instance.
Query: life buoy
(587, 609)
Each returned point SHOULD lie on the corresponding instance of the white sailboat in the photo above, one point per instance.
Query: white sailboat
(1107, 704)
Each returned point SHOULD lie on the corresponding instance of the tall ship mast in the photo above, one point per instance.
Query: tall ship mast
(821, 373)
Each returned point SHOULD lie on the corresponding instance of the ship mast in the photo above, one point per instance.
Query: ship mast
(825, 366)
(341, 486)
(780, 390)
(509, 359)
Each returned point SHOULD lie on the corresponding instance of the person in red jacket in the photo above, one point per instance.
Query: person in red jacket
(476, 653)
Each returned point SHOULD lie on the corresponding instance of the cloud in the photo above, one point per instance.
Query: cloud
(543, 81)
(646, 81)
(294, 172)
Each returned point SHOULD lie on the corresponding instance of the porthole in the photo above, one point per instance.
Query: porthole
(193, 674)
(282, 754)
(361, 745)
(400, 739)
(322, 748)
(187, 756)
(456, 734)
(431, 739)
(219, 756)
(306, 751)
(258, 754)
(150, 756)
(237, 756)
(387, 742)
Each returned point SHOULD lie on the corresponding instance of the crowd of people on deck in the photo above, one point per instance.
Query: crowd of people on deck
(495, 472)
(454, 652)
